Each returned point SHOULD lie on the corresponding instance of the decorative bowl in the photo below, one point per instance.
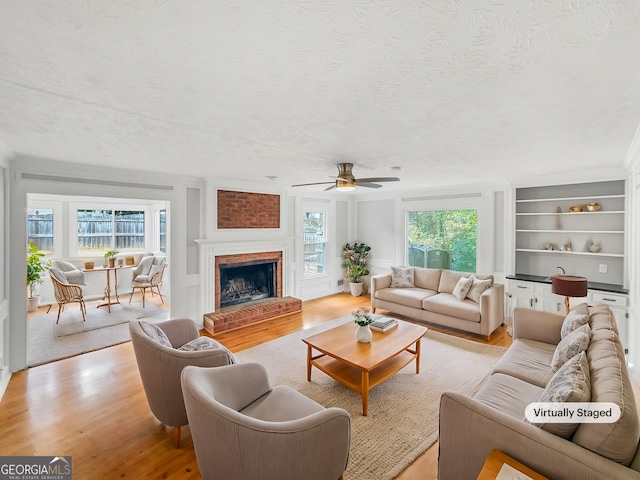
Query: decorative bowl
(593, 207)
(576, 209)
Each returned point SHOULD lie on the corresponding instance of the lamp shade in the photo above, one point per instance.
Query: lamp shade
(569, 285)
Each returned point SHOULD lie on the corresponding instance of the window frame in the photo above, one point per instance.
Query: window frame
(324, 243)
(74, 207)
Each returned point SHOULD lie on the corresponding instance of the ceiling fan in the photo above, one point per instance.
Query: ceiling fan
(345, 181)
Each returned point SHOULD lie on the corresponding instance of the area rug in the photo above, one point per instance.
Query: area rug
(402, 421)
(71, 336)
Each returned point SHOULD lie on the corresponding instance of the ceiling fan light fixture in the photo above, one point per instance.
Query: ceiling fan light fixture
(345, 186)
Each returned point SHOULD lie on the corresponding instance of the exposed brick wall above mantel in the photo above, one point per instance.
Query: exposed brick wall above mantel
(247, 210)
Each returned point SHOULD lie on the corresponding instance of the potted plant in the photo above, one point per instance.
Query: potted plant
(110, 257)
(35, 269)
(354, 261)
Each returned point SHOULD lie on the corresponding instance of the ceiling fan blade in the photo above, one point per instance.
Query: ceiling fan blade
(316, 183)
(330, 188)
(378, 179)
(368, 185)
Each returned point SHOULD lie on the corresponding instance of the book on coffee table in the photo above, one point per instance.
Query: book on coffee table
(384, 326)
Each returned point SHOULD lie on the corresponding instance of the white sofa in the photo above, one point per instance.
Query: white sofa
(431, 300)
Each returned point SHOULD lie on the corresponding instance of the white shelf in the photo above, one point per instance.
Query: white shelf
(562, 252)
(570, 213)
(561, 199)
(542, 215)
(589, 232)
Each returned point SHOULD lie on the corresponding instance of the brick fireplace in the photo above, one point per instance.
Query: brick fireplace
(236, 284)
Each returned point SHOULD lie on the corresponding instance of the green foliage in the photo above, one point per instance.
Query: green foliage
(354, 261)
(454, 231)
(35, 266)
(111, 253)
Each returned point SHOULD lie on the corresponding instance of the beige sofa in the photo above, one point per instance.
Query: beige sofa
(431, 300)
(495, 417)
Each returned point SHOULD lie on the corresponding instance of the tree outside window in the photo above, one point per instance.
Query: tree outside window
(314, 243)
(443, 239)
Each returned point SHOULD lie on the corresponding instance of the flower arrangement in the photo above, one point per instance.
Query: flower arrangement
(362, 316)
(354, 260)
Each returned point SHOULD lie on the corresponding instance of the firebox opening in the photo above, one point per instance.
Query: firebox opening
(240, 284)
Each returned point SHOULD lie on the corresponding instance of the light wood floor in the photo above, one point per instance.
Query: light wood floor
(93, 407)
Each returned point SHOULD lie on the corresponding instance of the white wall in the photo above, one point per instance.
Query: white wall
(633, 249)
(32, 175)
(5, 340)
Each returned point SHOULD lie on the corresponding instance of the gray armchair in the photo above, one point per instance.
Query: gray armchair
(242, 428)
(160, 362)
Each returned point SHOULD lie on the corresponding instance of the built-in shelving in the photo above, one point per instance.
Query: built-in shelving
(548, 234)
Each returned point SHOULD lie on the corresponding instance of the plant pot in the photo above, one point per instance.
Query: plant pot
(112, 262)
(356, 288)
(32, 303)
(364, 334)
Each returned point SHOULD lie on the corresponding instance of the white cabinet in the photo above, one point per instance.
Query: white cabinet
(535, 295)
(538, 296)
(549, 234)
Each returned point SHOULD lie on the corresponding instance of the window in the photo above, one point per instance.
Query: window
(314, 243)
(163, 230)
(40, 228)
(102, 230)
(443, 239)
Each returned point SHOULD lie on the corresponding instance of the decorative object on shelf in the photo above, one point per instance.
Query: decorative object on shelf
(88, 265)
(549, 246)
(569, 286)
(120, 262)
(36, 267)
(577, 208)
(354, 261)
(129, 261)
(593, 207)
(566, 247)
(110, 258)
(595, 247)
(558, 219)
(362, 317)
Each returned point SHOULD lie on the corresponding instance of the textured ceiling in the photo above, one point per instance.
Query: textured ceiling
(452, 91)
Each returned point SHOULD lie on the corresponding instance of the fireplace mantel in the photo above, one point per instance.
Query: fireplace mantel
(210, 249)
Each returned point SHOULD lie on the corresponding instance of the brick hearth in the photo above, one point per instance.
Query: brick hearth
(250, 312)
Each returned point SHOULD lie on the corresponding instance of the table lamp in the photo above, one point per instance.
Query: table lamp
(569, 286)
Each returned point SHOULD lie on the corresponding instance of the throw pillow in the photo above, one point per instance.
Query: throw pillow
(462, 288)
(156, 333)
(75, 277)
(154, 269)
(576, 318)
(59, 274)
(477, 288)
(201, 343)
(571, 345)
(402, 277)
(569, 384)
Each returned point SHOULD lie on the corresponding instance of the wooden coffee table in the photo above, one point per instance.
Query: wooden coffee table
(362, 366)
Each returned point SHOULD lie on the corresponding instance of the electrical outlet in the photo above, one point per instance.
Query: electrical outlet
(603, 268)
